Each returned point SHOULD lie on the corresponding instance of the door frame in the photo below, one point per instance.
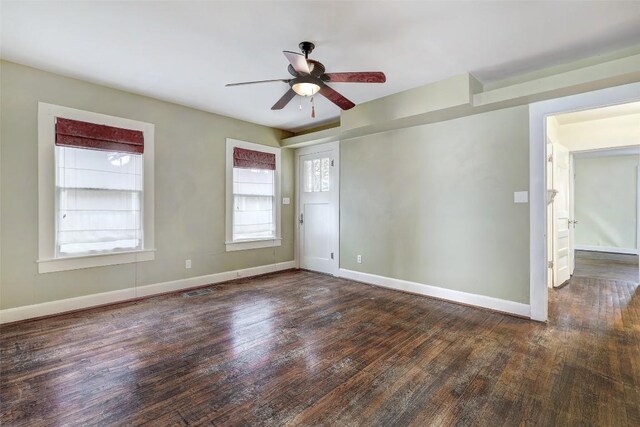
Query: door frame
(312, 149)
(538, 113)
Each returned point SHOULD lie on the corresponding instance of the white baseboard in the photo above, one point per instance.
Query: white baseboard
(87, 301)
(610, 249)
(496, 304)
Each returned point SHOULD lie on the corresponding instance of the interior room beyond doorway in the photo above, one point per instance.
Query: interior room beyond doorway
(593, 159)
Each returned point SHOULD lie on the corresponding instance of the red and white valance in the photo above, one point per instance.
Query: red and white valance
(251, 159)
(74, 133)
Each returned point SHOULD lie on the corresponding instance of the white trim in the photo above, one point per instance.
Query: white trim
(47, 261)
(98, 260)
(296, 210)
(630, 150)
(253, 244)
(313, 138)
(610, 249)
(538, 112)
(501, 305)
(258, 243)
(333, 146)
(87, 301)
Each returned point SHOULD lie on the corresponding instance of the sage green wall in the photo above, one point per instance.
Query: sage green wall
(189, 189)
(434, 204)
(606, 201)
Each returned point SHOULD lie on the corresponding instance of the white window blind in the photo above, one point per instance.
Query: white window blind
(99, 201)
(253, 204)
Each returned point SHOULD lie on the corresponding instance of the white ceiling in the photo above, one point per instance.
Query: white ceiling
(599, 113)
(185, 51)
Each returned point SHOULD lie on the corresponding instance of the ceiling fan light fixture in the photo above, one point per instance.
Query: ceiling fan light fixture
(305, 89)
(305, 86)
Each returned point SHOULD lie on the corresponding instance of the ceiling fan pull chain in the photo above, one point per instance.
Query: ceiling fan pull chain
(313, 108)
(300, 103)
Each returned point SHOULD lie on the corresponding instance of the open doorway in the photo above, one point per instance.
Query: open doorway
(593, 195)
(539, 193)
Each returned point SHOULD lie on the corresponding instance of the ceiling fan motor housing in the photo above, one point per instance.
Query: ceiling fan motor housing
(306, 48)
(303, 79)
(316, 68)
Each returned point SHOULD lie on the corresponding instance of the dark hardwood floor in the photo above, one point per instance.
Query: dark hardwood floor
(301, 348)
(604, 265)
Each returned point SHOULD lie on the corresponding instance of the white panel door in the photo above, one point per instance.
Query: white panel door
(317, 210)
(550, 197)
(561, 211)
(572, 215)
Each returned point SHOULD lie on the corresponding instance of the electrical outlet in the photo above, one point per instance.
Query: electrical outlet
(359, 259)
(187, 263)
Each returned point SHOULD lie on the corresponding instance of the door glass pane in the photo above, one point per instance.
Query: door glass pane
(316, 176)
(308, 177)
(324, 185)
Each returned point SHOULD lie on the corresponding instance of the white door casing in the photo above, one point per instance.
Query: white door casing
(317, 207)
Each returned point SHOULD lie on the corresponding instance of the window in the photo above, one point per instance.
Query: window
(99, 201)
(253, 215)
(95, 189)
(253, 202)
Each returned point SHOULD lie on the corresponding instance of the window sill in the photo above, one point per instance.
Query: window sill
(89, 261)
(253, 244)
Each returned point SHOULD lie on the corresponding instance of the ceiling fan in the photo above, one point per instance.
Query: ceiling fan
(309, 78)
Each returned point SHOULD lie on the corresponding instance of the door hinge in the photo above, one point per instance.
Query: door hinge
(301, 220)
(331, 255)
(550, 158)
(332, 164)
(550, 264)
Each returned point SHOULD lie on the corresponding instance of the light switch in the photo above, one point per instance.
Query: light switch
(521, 197)
(286, 201)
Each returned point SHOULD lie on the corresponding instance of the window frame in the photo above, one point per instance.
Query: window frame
(48, 259)
(240, 245)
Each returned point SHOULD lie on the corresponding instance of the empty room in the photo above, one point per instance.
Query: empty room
(319, 213)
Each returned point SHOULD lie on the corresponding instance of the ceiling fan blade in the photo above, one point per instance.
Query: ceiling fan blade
(357, 77)
(282, 102)
(335, 97)
(257, 81)
(298, 62)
